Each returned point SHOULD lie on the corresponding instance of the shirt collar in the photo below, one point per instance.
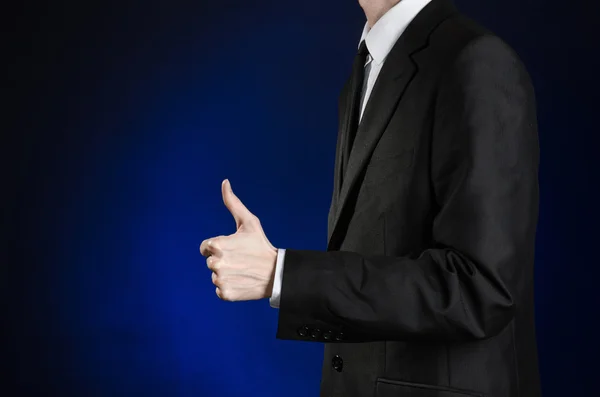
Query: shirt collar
(386, 31)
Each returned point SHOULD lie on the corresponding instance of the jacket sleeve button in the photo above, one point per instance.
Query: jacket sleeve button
(337, 363)
(303, 331)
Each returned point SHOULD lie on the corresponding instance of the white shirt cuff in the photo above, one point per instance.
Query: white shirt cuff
(276, 294)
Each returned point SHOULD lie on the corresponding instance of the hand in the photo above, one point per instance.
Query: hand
(243, 263)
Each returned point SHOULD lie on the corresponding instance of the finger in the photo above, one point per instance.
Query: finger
(240, 213)
(205, 248)
(215, 279)
(213, 263)
(211, 246)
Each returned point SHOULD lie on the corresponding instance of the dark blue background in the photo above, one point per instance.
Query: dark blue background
(129, 115)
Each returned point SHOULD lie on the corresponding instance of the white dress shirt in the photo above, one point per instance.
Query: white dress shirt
(379, 39)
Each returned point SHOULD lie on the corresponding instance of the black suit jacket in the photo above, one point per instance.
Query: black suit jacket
(426, 288)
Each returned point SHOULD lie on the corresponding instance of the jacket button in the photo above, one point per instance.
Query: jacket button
(340, 336)
(337, 363)
(303, 331)
(315, 333)
(327, 335)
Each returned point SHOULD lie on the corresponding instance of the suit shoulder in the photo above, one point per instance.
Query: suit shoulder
(460, 38)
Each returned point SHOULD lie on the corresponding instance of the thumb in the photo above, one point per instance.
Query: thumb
(240, 213)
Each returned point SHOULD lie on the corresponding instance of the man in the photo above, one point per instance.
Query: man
(426, 288)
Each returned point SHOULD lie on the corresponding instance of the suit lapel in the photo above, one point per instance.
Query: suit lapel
(337, 178)
(391, 83)
(345, 113)
(397, 72)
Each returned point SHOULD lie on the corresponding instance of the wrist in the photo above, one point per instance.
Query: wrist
(273, 252)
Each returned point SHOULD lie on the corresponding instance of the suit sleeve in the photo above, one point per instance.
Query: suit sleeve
(466, 286)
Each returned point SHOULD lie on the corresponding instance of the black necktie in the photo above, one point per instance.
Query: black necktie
(357, 81)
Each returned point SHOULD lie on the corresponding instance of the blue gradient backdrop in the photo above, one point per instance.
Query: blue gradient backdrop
(129, 115)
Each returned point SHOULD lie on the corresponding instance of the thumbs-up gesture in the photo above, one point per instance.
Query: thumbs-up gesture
(243, 263)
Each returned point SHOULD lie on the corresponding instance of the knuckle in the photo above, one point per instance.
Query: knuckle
(217, 243)
(225, 294)
(217, 264)
(212, 263)
(203, 247)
